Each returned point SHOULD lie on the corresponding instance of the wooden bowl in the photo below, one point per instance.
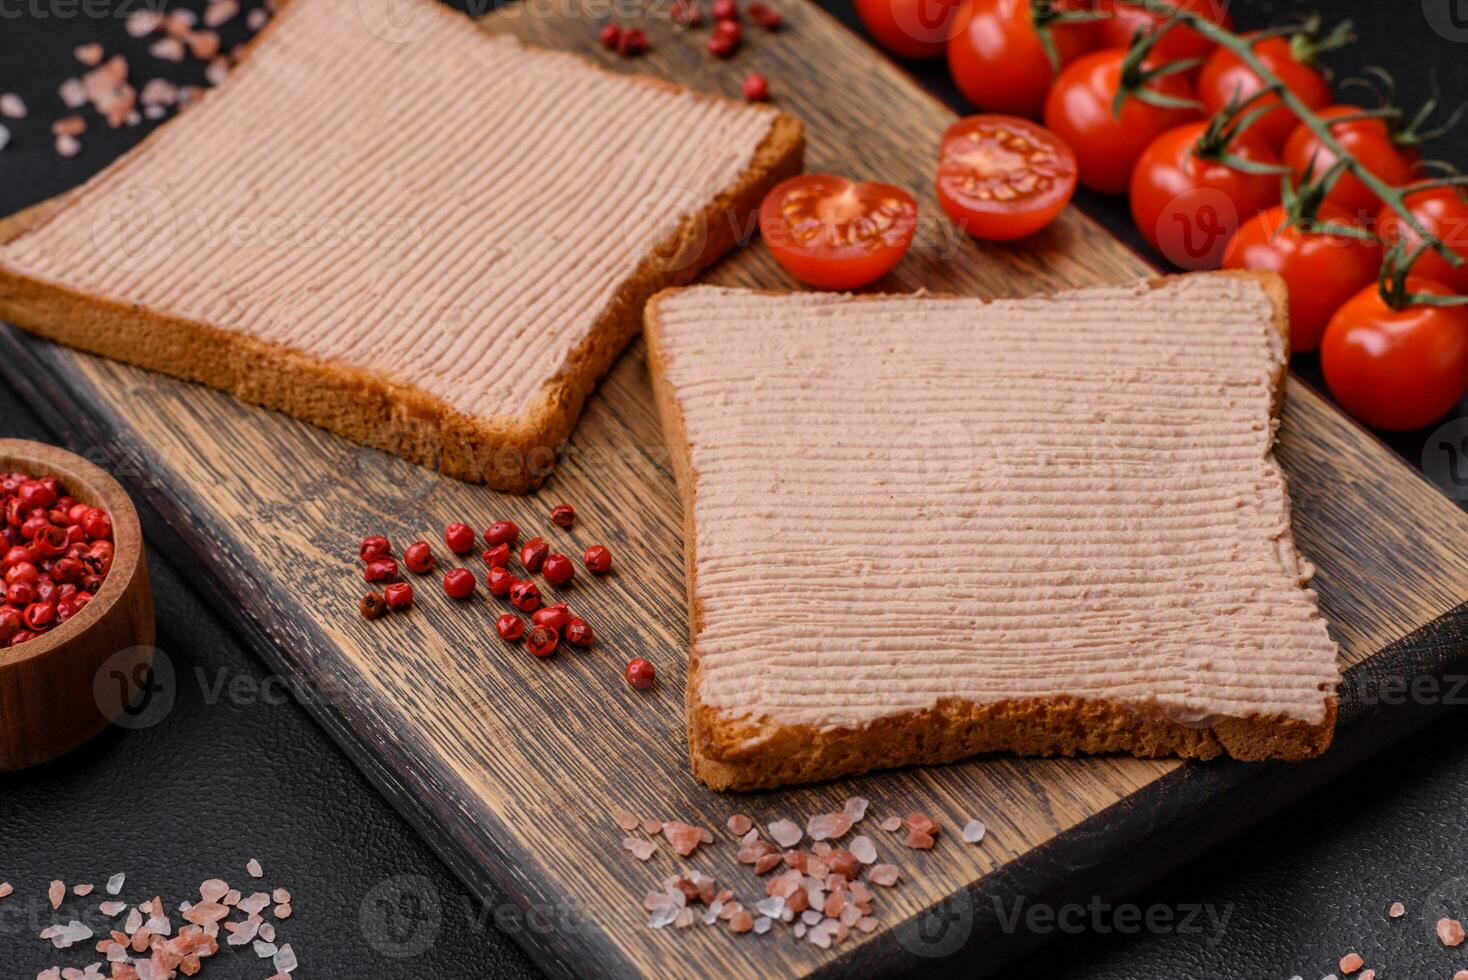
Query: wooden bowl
(62, 688)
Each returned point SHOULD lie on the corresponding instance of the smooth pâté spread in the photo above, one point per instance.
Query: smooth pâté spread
(404, 194)
(902, 499)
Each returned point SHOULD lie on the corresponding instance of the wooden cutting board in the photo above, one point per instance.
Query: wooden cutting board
(510, 766)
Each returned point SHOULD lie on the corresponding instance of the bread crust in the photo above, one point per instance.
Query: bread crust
(751, 753)
(510, 453)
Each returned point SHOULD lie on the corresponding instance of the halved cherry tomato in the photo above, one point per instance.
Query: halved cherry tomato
(1397, 369)
(1079, 111)
(1225, 77)
(1188, 206)
(1444, 213)
(1321, 270)
(911, 28)
(1180, 43)
(835, 233)
(1002, 177)
(1368, 140)
(998, 61)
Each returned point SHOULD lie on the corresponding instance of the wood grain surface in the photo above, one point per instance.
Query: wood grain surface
(66, 686)
(510, 765)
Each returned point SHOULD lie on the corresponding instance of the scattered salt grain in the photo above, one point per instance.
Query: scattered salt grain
(856, 808)
(891, 823)
(1351, 962)
(89, 54)
(1397, 910)
(256, 19)
(285, 959)
(134, 922)
(220, 12)
(1450, 932)
(4, 137)
(641, 849)
(232, 897)
(253, 867)
(1461, 975)
(141, 23)
(626, 819)
(203, 45)
(213, 890)
(973, 832)
(761, 925)
(652, 827)
(264, 950)
(685, 838)
(255, 904)
(68, 146)
(6, 889)
(67, 936)
(864, 849)
(281, 895)
(12, 106)
(828, 826)
(114, 884)
(56, 893)
(167, 49)
(739, 825)
(112, 909)
(73, 93)
(799, 930)
(82, 891)
(785, 832)
(283, 911)
(267, 932)
(885, 875)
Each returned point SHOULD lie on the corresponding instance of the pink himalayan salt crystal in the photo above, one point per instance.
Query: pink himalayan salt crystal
(885, 875)
(203, 45)
(283, 911)
(253, 867)
(739, 825)
(112, 909)
(206, 912)
(652, 827)
(864, 849)
(82, 891)
(255, 904)
(56, 893)
(1450, 932)
(1397, 910)
(220, 12)
(786, 833)
(974, 831)
(6, 889)
(89, 54)
(141, 23)
(891, 823)
(625, 819)
(1461, 975)
(919, 841)
(641, 849)
(866, 924)
(231, 897)
(685, 838)
(68, 146)
(213, 890)
(1368, 975)
(828, 826)
(167, 49)
(281, 895)
(256, 19)
(1351, 962)
(856, 808)
(12, 106)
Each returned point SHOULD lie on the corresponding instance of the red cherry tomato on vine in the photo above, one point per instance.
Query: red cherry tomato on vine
(1397, 369)
(1079, 111)
(1002, 177)
(911, 28)
(998, 61)
(1188, 206)
(1368, 140)
(1322, 271)
(1444, 213)
(1225, 77)
(835, 233)
(1181, 43)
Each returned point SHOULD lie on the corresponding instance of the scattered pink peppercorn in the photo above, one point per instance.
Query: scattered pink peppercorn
(419, 558)
(766, 16)
(598, 560)
(371, 606)
(756, 88)
(721, 46)
(725, 10)
(381, 570)
(510, 627)
(542, 641)
(611, 36)
(459, 583)
(498, 556)
(632, 42)
(499, 580)
(374, 548)
(459, 538)
(501, 532)
(729, 29)
(578, 632)
(558, 569)
(398, 596)
(641, 674)
(556, 617)
(532, 555)
(686, 13)
(563, 515)
(524, 596)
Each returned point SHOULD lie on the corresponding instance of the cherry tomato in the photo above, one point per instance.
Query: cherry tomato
(1368, 140)
(911, 28)
(1225, 77)
(1181, 43)
(1188, 206)
(1444, 213)
(997, 60)
(1397, 369)
(1002, 177)
(835, 233)
(1322, 271)
(1107, 146)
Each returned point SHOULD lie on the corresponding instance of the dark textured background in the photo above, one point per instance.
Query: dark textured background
(236, 771)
